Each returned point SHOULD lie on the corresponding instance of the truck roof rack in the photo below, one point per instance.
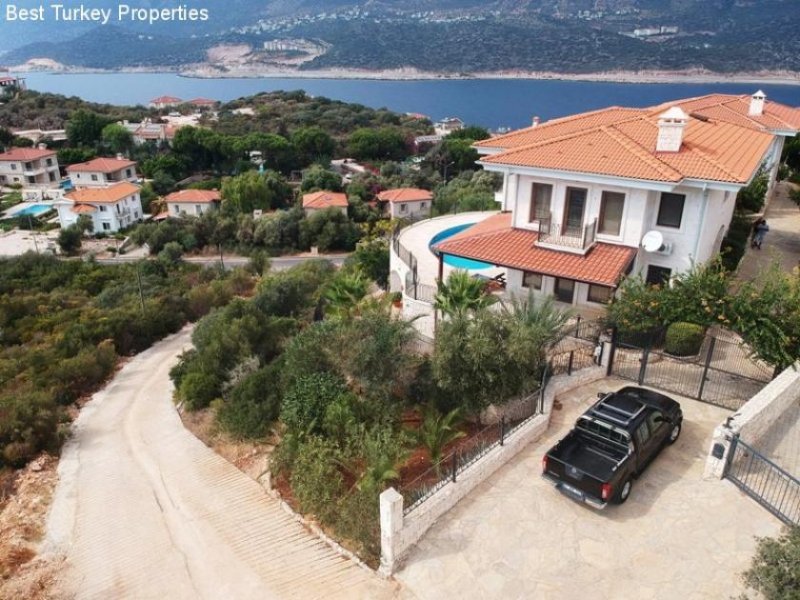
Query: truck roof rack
(619, 408)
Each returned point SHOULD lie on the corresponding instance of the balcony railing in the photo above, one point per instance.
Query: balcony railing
(566, 237)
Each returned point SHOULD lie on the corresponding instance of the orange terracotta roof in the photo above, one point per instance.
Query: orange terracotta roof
(83, 209)
(735, 109)
(559, 127)
(712, 150)
(202, 102)
(23, 154)
(324, 199)
(405, 195)
(110, 194)
(161, 216)
(166, 100)
(500, 244)
(194, 196)
(101, 165)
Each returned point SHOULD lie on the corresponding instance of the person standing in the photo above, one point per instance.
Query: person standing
(761, 230)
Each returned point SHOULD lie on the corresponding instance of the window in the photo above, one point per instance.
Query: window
(565, 290)
(13, 166)
(106, 226)
(94, 177)
(119, 210)
(198, 210)
(600, 294)
(52, 177)
(128, 173)
(611, 207)
(177, 209)
(403, 207)
(532, 280)
(655, 420)
(540, 201)
(102, 209)
(574, 204)
(136, 214)
(28, 166)
(642, 434)
(422, 205)
(49, 162)
(670, 210)
(658, 275)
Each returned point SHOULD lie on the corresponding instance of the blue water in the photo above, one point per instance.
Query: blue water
(33, 210)
(489, 102)
(457, 261)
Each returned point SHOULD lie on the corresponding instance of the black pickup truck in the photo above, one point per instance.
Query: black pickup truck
(611, 445)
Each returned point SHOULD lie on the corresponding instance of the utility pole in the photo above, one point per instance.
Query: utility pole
(33, 234)
(222, 262)
(141, 294)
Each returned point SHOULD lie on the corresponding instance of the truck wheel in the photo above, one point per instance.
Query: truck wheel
(675, 433)
(624, 491)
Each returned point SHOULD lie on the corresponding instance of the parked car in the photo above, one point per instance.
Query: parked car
(611, 445)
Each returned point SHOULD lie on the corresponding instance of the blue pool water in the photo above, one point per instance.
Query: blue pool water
(457, 261)
(33, 210)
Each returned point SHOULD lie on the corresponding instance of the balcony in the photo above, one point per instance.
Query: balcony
(566, 238)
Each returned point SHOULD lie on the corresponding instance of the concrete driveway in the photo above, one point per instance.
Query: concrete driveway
(515, 536)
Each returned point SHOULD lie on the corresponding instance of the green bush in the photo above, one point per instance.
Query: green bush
(316, 481)
(198, 390)
(307, 399)
(253, 406)
(684, 339)
(775, 570)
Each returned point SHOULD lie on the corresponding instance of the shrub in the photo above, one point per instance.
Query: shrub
(69, 239)
(316, 482)
(775, 571)
(253, 406)
(307, 399)
(198, 390)
(684, 339)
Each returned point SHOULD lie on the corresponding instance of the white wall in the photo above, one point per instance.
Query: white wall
(175, 209)
(412, 210)
(84, 179)
(116, 216)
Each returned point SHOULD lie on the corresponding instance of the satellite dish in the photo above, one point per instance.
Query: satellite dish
(652, 241)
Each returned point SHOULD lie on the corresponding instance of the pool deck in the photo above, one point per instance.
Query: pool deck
(416, 238)
(18, 208)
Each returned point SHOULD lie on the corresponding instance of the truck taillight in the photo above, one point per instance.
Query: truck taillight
(544, 463)
(606, 491)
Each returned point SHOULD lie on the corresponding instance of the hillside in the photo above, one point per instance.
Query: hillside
(460, 37)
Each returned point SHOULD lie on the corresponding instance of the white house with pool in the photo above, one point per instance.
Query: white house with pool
(589, 198)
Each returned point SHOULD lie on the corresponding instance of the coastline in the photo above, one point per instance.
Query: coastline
(206, 71)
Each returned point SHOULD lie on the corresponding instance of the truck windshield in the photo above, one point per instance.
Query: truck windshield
(604, 431)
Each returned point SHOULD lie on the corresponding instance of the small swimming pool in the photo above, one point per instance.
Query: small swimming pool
(33, 210)
(457, 261)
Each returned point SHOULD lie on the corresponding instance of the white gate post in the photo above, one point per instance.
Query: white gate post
(391, 503)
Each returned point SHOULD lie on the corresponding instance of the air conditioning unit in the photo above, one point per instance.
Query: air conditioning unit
(665, 249)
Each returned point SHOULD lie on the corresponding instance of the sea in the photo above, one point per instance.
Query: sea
(492, 103)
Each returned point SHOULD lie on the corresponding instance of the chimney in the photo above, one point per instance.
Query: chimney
(670, 130)
(757, 104)
(42, 146)
(535, 121)
(120, 156)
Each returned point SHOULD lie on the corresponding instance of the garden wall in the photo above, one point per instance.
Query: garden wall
(400, 532)
(754, 419)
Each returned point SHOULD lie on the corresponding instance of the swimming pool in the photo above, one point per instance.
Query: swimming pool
(33, 210)
(457, 261)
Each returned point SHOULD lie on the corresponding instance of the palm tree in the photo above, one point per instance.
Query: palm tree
(345, 293)
(437, 431)
(383, 451)
(537, 324)
(462, 294)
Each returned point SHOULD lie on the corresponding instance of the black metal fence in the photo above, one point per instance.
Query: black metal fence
(477, 445)
(579, 348)
(722, 373)
(764, 481)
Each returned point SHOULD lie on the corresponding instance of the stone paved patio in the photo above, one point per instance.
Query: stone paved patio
(515, 536)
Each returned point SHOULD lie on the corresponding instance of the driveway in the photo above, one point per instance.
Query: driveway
(144, 510)
(515, 536)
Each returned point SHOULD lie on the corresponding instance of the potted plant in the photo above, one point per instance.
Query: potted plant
(397, 300)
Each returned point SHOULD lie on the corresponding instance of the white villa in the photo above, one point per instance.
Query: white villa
(192, 202)
(581, 193)
(101, 172)
(322, 200)
(409, 203)
(111, 208)
(30, 167)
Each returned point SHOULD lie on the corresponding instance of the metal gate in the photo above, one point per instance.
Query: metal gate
(764, 481)
(721, 373)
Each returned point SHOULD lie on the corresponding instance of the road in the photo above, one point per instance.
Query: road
(277, 263)
(143, 509)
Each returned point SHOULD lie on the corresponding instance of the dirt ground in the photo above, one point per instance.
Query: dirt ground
(25, 497)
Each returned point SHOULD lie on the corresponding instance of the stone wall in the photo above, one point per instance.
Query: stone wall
(400, 532)
(754, 419)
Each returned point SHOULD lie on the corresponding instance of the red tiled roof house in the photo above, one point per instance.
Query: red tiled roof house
(192, 202)
(29, 167)
(408, 203)
(323, 200)
(579, 193)
(111, 208)
(101, 172)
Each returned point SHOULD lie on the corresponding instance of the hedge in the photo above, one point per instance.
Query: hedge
(684, 339)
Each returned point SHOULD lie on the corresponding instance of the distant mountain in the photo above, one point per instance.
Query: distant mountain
(455, 36)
